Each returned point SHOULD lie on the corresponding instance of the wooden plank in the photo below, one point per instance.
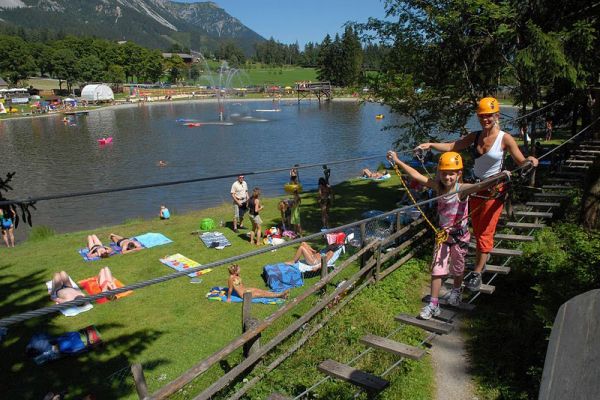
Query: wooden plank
(558, 187)
(444, 303)
(541, 204)
(496, 251)
(429, 325)
(551, 195)
(353, 375)
(574, 161)
(391, 346)
(485, 289)
(516, 238)
(492, 269)
(445, 316)
(587, 151)
(524, 225)
(277, 396)
(536, 214)
(570, 369)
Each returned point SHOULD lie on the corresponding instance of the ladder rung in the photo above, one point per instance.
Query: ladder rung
(517, 238)
(391, 346)
(524, 225)
(551, 195)
(537, 214)
(501, 252)
(444, 302)
(492, 269)
(485, 289)
(429, 325)
(541, 204)
(574, 161)
(353, 375)
(558, 187)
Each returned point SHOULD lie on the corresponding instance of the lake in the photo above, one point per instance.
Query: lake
(52, 157)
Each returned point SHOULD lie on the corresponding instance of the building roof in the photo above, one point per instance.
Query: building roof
(3, 82)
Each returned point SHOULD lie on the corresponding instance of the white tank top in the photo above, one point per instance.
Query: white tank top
(490, 163)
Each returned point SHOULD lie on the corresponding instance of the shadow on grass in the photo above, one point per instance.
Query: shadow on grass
(103, 372)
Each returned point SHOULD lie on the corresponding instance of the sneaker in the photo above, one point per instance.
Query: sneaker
(430, 311)
(454, 299)
(474, 282)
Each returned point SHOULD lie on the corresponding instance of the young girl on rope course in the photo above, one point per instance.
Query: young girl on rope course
(452, 238)
(488, 148)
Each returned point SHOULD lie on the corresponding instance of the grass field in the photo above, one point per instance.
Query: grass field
(171, 326)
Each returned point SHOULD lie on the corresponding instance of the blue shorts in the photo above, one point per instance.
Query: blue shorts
(6, 223)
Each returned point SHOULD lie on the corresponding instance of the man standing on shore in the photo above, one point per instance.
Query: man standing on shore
(239, 193)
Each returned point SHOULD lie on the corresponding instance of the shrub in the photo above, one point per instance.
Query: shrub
(41, 232)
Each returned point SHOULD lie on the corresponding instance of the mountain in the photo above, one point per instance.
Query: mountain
(152, 23)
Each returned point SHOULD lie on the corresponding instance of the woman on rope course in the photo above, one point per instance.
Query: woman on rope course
(488, 147)
(452, 244)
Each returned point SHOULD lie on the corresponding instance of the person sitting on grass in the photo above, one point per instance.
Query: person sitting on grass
(236, 287)
(62, 289)
(312, 256)
(127, 245)
(96, 248)
(367, 173)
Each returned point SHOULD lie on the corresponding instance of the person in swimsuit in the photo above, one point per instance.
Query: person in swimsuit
(367, 173)
(127, 245)
(488, 147)
(62, 289)
(7, 217)
(235, 286)
(96, 248)
(312, 256)
(294, 177)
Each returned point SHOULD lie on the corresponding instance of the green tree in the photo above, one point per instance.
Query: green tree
(176, 68)
(90, 68)
(63, 65)
(16, 62)
(195, 73)
(231, 53)
(351, 59)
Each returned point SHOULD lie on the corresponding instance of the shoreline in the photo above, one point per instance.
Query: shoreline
(185, 100)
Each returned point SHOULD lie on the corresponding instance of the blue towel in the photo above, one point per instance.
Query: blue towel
(281, 276)
(152, 239)
(85, 254)
(383, 178)
(218, 293)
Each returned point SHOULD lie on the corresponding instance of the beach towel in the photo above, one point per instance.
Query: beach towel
(180, 263)
(91, 286)
(383, 178)
(214, 240)
(220, 294)
(152, 239)
(118, 250)
(280, 277)
(43, 347)
(74, 310)
(302, 267)
(85, 254)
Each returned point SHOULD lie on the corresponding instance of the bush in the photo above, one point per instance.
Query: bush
(41, 232)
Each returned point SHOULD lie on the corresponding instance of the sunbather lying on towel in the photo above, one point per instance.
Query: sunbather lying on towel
(235, 284)
(312, 256)
(96, 248)
(367, 173)
(126, 244)
(62, 288)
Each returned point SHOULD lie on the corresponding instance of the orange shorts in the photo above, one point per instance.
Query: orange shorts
(484, 218)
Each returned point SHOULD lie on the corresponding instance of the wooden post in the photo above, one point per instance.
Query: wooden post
(363, 242)
(378, 264)
(140, 381)
(324, 271)
(249, 323)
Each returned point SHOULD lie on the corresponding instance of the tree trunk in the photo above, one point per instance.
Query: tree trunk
(590, 204)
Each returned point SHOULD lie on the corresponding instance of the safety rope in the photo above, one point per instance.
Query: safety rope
(183, 181)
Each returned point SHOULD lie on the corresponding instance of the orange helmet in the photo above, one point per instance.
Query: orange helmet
(488, 105)
(450, 161)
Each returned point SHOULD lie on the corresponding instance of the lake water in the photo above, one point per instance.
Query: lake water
(51, 157)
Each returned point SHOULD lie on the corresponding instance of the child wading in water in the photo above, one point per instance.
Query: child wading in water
(453, 212)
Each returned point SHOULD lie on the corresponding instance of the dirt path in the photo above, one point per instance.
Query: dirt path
(449, 357)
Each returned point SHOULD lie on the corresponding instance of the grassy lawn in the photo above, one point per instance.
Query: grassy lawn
(171, 326)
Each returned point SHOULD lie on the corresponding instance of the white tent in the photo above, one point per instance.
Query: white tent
(99, 92)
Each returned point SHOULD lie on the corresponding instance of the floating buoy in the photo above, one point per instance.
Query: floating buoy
(105, 140)
(379, 116)
(291, 187)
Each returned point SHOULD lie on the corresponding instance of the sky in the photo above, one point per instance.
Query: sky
(288, 21)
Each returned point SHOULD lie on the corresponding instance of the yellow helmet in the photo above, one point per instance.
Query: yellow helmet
(488, 105)
(450, 161)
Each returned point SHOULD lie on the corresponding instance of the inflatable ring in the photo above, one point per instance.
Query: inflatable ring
(291, 187)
